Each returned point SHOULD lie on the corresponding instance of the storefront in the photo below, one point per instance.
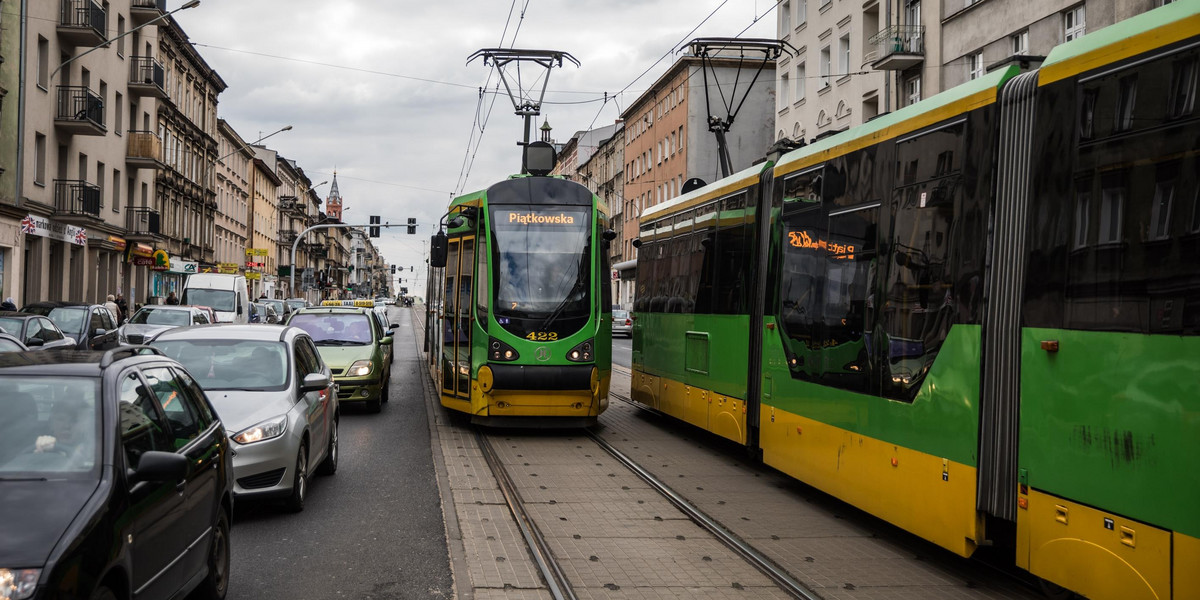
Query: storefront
(162, 281)
(139, 259)
(55, 260)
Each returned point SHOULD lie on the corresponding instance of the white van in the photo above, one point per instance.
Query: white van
(225, 294)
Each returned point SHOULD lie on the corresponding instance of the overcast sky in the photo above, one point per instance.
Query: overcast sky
(380, 89)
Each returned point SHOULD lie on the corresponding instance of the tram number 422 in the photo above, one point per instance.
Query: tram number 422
(542, 336)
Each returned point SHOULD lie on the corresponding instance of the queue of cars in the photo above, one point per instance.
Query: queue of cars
(135, 454)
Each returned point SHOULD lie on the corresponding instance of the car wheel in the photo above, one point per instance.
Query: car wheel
(102, 593)
(295, 502)
(330, 464)
(216, 583)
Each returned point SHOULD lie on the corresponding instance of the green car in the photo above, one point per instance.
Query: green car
(355, 347)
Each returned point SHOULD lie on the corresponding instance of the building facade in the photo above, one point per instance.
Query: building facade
(233, 199)
(10, 100)
(262, 253)
(856, 61)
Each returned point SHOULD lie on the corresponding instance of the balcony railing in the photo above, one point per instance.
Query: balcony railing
(79, 111)
(82, 23)
(142, 223)
(144, 150)
(287, 236)
(75, 199)
(143, 11)
(147, 77)
(898, 47)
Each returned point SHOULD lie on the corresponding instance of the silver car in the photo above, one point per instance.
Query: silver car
(150, 321)
(276, 398)
(622, 323)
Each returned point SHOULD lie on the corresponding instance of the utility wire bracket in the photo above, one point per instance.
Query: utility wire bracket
(719, 51)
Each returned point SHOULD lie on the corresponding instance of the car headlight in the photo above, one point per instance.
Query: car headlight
(360, 368)
(263, 431)
(18, 584)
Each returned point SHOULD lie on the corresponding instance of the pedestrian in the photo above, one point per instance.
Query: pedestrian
(111, 304)
(172, 300)
(122, 306)
(8, 304)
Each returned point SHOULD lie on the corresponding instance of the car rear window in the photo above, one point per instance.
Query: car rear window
(48, 426)
(334, 329)
(161, 316)
(231, 364)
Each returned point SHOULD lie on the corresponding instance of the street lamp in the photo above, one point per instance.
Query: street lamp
(107, 43)
(248, 144)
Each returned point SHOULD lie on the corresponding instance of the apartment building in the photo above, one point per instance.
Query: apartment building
(667, 140)
(603, 173)
(859, 60)
(233, 199)
(10, 84)
(81, 169)
(262, 252)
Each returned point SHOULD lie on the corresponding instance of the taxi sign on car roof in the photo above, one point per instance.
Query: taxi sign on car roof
(356, 303)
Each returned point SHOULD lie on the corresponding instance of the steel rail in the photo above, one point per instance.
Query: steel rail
(748, 553)
(556, 581)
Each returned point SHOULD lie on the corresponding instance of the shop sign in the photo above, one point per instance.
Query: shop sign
(162, 261)
(187, 267)
(118, 243)
(253, 275)
(142, 261)
(137, 250)
(43, 227)
(227, 268)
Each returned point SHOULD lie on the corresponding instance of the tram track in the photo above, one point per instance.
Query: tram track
(552, 572)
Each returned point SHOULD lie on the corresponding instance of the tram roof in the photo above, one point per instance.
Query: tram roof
(954, 101)
(717, 189)
(1152, 29)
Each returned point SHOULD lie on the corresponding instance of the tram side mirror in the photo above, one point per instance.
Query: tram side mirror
(637, 243)
(609, 235)
(455, 223)
(437, 250)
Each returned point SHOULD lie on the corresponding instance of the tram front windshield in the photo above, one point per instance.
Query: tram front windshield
(542, 268)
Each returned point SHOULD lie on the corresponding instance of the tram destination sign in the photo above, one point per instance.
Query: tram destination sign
(532, 218)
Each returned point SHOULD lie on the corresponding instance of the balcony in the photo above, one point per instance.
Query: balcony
(79, 111)
(287, 237)
(898, 47)
(82, 23)
(77, 202)
(144, 150)
(144, 11)
(142, 224)
(147, 78)
(293, 205)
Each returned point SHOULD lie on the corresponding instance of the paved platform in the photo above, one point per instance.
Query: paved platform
(616, 538)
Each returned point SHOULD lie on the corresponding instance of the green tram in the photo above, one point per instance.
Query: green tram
(975, 317)
(524, 302)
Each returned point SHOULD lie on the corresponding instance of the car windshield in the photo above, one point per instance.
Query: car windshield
(220, 300)
(231, 364)
(161, 316)
(296, 304)
(7, 345)
(67, 318)
(335, 329)
(48, 427)
(276, 304)
(12, 325)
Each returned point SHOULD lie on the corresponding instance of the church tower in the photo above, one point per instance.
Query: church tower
(333, 204)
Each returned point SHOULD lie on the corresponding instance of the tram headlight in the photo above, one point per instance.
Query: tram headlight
(501, 352)
(582, 352)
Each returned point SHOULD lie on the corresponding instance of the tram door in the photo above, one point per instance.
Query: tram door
(456, 318)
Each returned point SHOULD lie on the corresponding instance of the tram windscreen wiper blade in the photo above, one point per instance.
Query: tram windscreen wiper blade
(554, 314)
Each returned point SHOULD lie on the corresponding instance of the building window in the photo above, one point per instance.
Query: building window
(801, 12)
(1081, 220)
(1125, 102)
(43, 57)
(1111, 205)
(1183, 87)
(116, 195)
(121, 35)
(912, 90)
(844, 53)
(975, 65)
(117, 114)
(785, 17)
(825, 67)
(785, 87)
(1160, 211)
(801, 74)
(1020, 43)
(1073, 24)
(39, 153)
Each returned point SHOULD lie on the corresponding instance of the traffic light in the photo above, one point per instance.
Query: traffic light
(410, 269)
(393, 269)
(374, 231)
(412, 226)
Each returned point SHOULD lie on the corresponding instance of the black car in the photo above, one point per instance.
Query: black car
(115, 478)
(35, 331)
(9, 343)
(93, 326)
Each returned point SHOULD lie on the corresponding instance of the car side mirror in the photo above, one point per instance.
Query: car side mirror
(34, 342)
(99, 332)
(387, 339)
(314, 382)
(393, 325)
(159, 466)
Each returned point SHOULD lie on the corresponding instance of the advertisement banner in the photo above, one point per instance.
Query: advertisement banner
(43, 227)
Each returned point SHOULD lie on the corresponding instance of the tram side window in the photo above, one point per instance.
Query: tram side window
(848, 309)
(734, 240)
(704, 260)
(802, 270)
(482, 290)
(465, 290)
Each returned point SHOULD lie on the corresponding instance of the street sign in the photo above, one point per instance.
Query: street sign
(256, 251)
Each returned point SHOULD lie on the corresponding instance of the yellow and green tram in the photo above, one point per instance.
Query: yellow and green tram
(520, 305)
(976, 317)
